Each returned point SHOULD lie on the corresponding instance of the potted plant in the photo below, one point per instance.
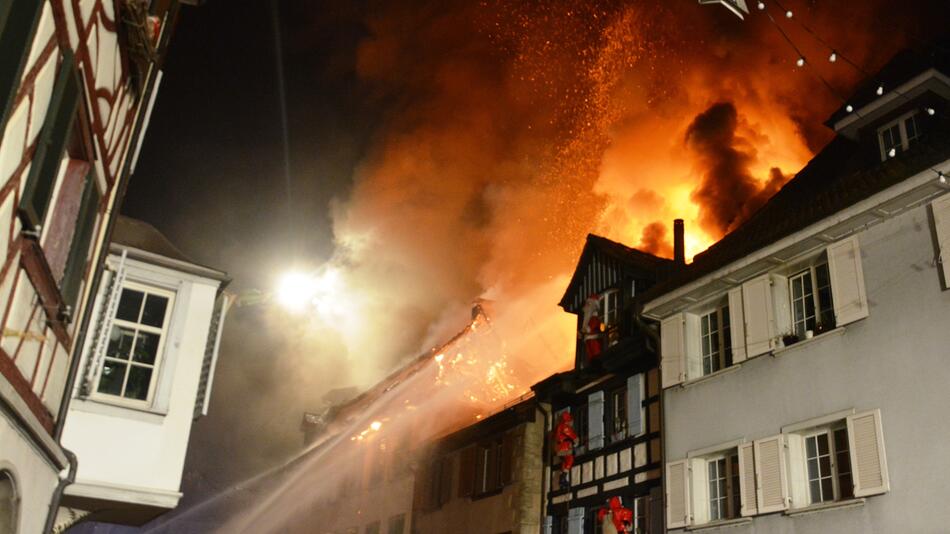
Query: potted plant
(789, 339)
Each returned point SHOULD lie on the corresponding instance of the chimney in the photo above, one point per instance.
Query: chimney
(679, 246)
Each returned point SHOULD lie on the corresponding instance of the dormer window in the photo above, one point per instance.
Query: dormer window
(610, 306)
(897, 136)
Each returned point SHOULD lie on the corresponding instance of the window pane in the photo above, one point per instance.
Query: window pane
(810, 449)
(120, 343)
(8, 503)
(846, 485)
(146, 348)
(822, 443)
(113, 374)
(827, 491)
(129, 305)
(814, 489)
(139, 380)
(154, 312)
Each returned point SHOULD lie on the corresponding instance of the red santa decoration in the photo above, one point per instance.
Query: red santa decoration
(592, 327)
(564, 438)
(616, 518)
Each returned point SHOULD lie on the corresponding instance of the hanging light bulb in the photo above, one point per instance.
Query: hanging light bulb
(800, 62)
(880, 90)
(892, 152)
(833, 57)
(788, 14)
(931, 111)
(941, 177)
(849, 108)
(761, 6)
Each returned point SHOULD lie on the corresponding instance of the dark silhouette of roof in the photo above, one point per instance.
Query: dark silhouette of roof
(143, 236)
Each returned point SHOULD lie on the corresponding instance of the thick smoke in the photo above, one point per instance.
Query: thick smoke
(727, 193)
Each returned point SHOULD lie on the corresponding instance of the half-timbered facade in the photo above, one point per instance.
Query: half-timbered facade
(77, 78)
(612, 396)
(804, 355)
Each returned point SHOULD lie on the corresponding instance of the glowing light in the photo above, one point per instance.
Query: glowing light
(800, 62)
(761, 6)
(376, 425)
(849, 108)
(295, 291)
(438, 358)
(941, 177)
(892, 152)
(833, 57)
(788, 14)
(931, 111)
(880, 90)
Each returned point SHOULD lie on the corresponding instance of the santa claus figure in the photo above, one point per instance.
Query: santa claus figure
(615, 518)
(564, 439)
(592, 327)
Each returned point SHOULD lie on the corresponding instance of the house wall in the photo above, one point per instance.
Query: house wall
(894, 360)
(515, 509)
(143, 457)
(37, 339)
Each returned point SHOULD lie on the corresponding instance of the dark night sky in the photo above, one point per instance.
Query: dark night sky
(211, 171)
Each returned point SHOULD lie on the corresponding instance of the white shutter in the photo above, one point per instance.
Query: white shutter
(747, 491)
(672, 350)
(212, 347)
(677, 494)
(737, 325)
(847, 281)
(694, 348)
(771, 484)
(698, 494)
(575, 521)
(548, 524)
(595, 420)
(868, 462)
(781, 305)
(635, 405)
(941, 212)
(759, 319)
(110, 302)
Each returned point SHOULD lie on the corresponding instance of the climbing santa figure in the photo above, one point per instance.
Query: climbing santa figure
(592, 328)
(616, 519)
(564, 439)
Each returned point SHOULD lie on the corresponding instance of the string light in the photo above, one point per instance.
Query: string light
(788, 14)
(880, 90)
(800, 62)
(931, 111)
(892, 152)
(833, 57)
(849, 108)
(761, 6)
(941, 177)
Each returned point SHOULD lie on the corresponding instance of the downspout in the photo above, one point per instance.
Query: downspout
(118, 196)
(545, 476)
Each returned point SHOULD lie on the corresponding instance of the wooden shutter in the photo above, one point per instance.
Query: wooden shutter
(868, 461)
(771, 480)
(747, 488)
(575, 521)
(737, 325)
(18, 21)
(847, 281)
(51, 145)
(673, 350)
(480, 482)
(506, 474)
(81, 249)
(467, 471)
(65, 216)
(655, 511)
(445, 480)
(758, 314)
(212, 348)
(677, 494)
(941, 213)
(595, 420)
(635, 392)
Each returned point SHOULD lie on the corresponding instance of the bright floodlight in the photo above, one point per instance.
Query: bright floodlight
(296, 291)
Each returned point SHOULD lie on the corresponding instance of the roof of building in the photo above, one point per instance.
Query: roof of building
(627, 256)
(143, 236)
(842, 174)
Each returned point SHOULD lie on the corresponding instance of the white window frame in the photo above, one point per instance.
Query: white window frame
(611, 299)
(901, 124)
(811, 270)
(835, 475)
(164, 332)
(700, 500)
(723, 346)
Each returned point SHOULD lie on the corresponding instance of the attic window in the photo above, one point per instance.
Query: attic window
(897, 136)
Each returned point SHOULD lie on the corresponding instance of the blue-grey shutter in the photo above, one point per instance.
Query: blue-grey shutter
(595, 420)
(111, 292)
(548, 524)
(635, 405)
(575, 521)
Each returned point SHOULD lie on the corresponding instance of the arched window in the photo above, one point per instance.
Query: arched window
(9, 502)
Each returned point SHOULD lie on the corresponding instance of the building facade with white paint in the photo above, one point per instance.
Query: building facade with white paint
(804, 356)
